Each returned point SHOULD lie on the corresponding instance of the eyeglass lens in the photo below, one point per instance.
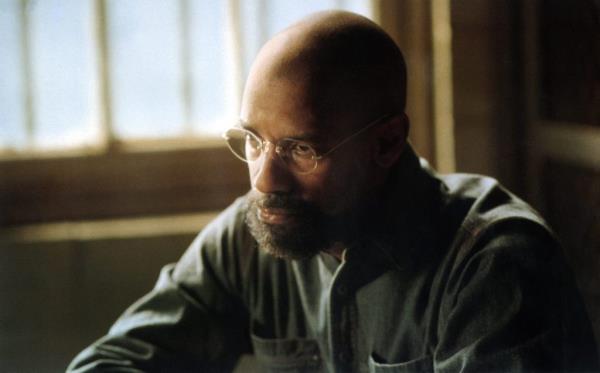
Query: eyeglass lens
(249, 147)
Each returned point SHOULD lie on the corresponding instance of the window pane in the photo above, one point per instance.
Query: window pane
(12, 120)
(284, 13)
(212, 101)
(145, 64)
(255, 29)
(61, 52)
(363, 7)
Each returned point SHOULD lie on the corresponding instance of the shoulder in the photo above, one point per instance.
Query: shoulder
(496, 233)
(484, 208)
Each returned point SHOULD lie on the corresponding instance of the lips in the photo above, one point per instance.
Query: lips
(276, 216)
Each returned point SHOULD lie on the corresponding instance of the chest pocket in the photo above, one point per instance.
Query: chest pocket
(287, 355)
(423, 364)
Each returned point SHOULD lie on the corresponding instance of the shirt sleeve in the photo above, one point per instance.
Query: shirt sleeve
(193, 320)
(512, 305)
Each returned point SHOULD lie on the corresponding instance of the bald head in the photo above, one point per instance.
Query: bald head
(316, 83)
(336, 64)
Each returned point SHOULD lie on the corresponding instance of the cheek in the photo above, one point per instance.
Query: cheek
(252, 172)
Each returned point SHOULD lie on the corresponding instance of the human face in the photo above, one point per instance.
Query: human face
(296, 215)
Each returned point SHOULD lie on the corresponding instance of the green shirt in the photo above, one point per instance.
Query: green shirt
(456, 274)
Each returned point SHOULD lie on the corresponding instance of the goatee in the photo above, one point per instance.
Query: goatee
(308, 232)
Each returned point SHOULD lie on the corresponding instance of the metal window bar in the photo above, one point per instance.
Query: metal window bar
(234, 23)
(108, 139)
(185, 46)
(263, 31)
(442, 77)
(28, 104)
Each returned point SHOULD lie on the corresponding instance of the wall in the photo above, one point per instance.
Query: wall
(59, 295)
(486, 61)
(526, 78)
(82, 236)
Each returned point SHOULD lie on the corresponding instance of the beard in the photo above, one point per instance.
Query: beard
(310, 231)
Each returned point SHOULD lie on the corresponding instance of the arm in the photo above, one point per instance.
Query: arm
(194, 318)
(512, 305)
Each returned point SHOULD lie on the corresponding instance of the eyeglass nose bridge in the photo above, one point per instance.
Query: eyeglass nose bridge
(266, 145)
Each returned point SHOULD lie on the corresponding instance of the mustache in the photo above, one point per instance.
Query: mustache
(281, 201)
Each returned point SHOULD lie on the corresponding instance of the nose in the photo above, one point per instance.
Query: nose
(269, 174)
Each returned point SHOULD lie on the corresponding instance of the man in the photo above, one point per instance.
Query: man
(350, 253)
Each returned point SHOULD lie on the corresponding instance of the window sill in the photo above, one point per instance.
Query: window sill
(125, 228)
(142, 181)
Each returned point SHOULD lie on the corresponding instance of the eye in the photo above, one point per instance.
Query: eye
(252, 141)
(300, 150)
(252, 147)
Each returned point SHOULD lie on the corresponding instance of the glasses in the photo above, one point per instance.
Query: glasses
(299, 156)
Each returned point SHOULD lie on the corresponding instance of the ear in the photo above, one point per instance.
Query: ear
(391, 140)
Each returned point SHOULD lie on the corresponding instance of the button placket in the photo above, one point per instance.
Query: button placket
(340, 322)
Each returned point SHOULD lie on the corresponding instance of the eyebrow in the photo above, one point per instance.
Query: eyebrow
(311, 138)
(245, 125)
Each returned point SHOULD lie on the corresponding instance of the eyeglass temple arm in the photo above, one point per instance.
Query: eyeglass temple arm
(372, 124)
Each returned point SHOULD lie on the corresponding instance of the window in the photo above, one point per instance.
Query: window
(110, 109)
(78, 74)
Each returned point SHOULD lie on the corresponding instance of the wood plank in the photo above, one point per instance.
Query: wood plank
(119, 184)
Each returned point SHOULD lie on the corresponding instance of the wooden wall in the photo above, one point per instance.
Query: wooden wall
(60, 296)
(487, 100)
(119, 183)
(526, 78)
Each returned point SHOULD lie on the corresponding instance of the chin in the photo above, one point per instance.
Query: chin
(297, 241)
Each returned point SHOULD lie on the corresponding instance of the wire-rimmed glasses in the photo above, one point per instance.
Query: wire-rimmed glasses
(299, 156)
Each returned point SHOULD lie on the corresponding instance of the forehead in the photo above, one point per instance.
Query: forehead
(278, 108)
